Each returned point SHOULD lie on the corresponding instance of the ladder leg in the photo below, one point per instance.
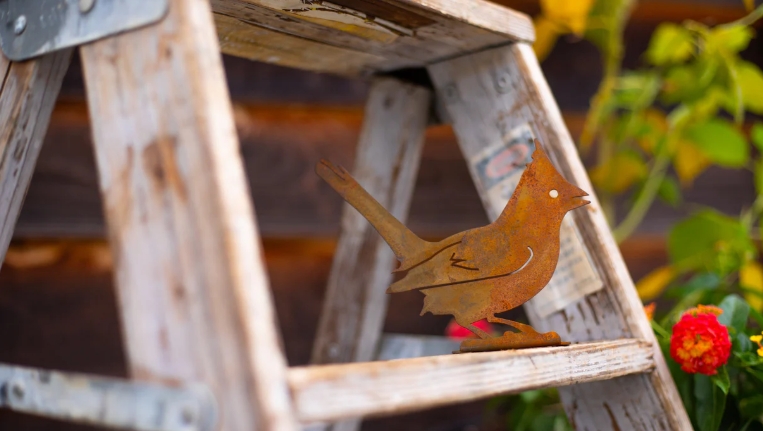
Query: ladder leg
(386, 164)
(192, 288)
(28, 92)
(489, 95)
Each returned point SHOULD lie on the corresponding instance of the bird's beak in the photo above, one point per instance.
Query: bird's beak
(577, 201)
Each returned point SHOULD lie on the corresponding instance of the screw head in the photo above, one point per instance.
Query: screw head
(17, 390)
(334, 350)
(503, 81)
(86, 5)
(450, 92)
(188, 415)
(19, 25)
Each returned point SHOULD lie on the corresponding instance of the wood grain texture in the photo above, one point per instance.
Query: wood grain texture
(28, 92)
(351, 37)
(387, 162)
(331, 392)
(482, 112)
(239, 38)
(192, 288)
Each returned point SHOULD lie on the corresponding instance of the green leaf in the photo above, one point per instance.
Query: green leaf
(721, 379)
(730, 38)
(750, 80)
(735, 312)
(720, 142)
(670, 43)
(710, 403)
(710, 241)
(680, 84)
(742, 342)
(636, 89)
(699, 282)
(748, 359)
(670, 192)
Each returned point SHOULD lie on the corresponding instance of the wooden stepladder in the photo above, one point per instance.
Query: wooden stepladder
(194, 298)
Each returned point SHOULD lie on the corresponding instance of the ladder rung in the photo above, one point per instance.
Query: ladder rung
(331, 392)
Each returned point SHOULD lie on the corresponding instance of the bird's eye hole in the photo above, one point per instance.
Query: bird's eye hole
(554, 194)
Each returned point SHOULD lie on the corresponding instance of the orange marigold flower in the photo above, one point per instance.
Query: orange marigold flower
(700, 344)
(649, 310)
(702, 309)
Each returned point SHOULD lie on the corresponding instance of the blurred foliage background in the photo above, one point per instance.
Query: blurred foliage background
(692, 103)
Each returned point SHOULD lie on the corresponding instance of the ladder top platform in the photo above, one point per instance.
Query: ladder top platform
(361, 37)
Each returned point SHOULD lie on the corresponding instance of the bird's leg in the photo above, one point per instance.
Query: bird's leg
(477, 331)
(527, 329)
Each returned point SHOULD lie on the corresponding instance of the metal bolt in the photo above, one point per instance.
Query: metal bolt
(86, 5)
(17, 390)
(188, 415)
(503, 80)
(450, 92)
(19, 25)
(334, 350)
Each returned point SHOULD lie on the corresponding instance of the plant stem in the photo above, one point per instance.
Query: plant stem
(645, 199)
(748, 19)
(612, 53)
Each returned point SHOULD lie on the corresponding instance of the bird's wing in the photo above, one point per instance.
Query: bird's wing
(456, 265)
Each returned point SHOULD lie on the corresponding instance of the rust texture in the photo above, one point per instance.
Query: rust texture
(478, 273)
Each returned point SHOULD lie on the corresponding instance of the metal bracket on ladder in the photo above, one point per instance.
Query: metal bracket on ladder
(30, 28)
(110, 402)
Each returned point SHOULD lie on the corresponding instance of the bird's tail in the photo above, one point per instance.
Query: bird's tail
(404, 243)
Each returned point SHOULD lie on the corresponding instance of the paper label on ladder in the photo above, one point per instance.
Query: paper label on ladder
(499, 168)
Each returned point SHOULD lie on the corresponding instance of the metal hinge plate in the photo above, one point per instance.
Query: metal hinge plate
(29, 28)
(109, 402)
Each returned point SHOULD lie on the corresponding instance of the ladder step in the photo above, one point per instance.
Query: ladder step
(106, 401)
(328, 393)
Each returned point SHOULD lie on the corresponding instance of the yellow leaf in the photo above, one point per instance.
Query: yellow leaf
(655, 282)
(656, 126)
(618, 173)
(546, 34)
(571, 14)
(689, 161)
(751, 277)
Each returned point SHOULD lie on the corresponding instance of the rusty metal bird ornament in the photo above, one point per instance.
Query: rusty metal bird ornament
(478, 273)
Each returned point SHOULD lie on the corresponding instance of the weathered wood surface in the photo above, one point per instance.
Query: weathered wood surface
(504, 88)
(192, 288)
(28, 92)
(331, 392)
(387, 163)
(351, 37)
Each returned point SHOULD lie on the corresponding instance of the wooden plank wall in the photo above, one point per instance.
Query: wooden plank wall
(57, 304)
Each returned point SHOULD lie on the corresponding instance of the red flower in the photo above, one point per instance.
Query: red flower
(700, 344)
(458, 332)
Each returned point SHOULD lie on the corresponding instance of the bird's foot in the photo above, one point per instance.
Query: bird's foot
(512, 340)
